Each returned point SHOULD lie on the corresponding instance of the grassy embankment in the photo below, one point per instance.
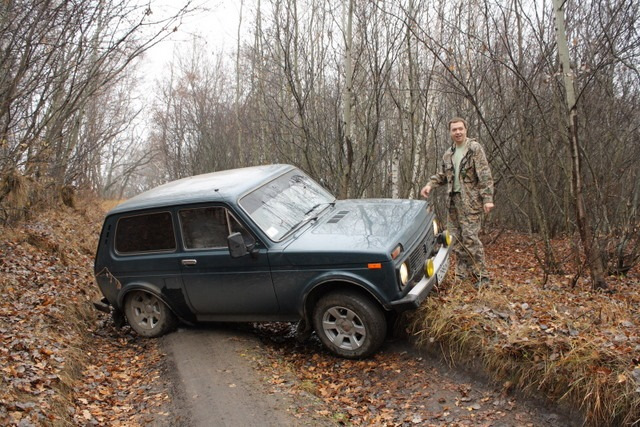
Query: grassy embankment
(567, 344)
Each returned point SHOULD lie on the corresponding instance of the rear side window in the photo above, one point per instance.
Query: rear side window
(145, 233)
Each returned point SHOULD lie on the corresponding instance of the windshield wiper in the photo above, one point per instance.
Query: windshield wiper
(308, 218)
(297, 225)
(325, 204)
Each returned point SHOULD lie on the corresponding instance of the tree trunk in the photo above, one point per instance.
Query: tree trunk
(241, 149)
(590, 245)
(348, 106)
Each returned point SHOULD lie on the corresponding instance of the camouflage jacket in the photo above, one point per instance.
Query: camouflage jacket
(476, 182)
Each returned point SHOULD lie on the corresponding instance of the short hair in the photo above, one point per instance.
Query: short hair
(456, 120)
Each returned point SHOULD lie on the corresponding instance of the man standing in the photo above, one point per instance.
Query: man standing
(466, 172)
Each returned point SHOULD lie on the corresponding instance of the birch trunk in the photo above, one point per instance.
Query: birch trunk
(347, 106)
(591, 252)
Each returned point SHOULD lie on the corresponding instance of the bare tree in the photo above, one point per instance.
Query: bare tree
(194, 117)
(584, 223)
(58, 59)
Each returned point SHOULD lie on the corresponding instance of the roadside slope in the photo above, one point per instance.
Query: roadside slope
(61, 362)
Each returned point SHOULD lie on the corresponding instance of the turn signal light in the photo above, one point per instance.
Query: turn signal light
(396, 252)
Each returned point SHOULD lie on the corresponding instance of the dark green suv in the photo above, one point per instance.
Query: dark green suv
(267, 243)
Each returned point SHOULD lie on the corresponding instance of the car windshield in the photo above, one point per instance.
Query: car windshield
(282, 205)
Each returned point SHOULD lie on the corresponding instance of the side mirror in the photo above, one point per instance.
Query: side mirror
(237, 247)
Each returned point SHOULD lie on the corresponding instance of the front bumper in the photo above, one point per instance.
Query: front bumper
(421, 289)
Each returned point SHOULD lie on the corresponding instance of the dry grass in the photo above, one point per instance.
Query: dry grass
(107, 205)
(14, 196)
(569, 345)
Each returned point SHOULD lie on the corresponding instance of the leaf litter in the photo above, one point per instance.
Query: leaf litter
(60, 361)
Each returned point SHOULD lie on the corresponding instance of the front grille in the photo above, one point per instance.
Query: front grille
(416, 260)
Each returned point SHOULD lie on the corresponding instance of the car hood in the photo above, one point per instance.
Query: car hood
(357, 230)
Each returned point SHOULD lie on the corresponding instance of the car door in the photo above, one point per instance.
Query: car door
(216, 284)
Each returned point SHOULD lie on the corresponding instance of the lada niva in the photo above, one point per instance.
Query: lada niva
(268, 243)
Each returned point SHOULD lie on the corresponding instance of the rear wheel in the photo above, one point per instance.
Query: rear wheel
(349, 324)
(148, 315)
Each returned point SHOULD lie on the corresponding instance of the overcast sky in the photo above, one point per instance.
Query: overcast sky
(215, 21)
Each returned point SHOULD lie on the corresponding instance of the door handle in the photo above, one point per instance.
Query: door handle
(189, 262)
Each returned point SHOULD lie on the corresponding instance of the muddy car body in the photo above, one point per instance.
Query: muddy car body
(267, 243)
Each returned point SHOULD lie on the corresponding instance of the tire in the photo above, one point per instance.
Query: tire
(148, 315)
(349, 324)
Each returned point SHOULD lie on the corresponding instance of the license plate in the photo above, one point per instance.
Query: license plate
(443, 270)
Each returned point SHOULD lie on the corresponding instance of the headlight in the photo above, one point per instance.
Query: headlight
(429, 269)
(435, 227)
(404, 273)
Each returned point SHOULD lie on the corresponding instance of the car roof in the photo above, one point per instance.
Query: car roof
(224, 185)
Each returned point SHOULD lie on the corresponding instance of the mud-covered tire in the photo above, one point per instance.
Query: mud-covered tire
(349, 324)
(148, 315)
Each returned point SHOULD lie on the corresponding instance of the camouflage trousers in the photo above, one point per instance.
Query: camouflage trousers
(464, 228)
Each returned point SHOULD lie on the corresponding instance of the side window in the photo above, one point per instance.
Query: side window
(208, 228)
(145, 233)
(204, 228)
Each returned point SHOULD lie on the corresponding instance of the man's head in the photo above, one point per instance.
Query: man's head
(458, 130)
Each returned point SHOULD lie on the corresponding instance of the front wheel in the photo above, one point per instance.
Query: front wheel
(349, 324)
(148, 315)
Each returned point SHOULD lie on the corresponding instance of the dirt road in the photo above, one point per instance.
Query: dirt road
(216, 381)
